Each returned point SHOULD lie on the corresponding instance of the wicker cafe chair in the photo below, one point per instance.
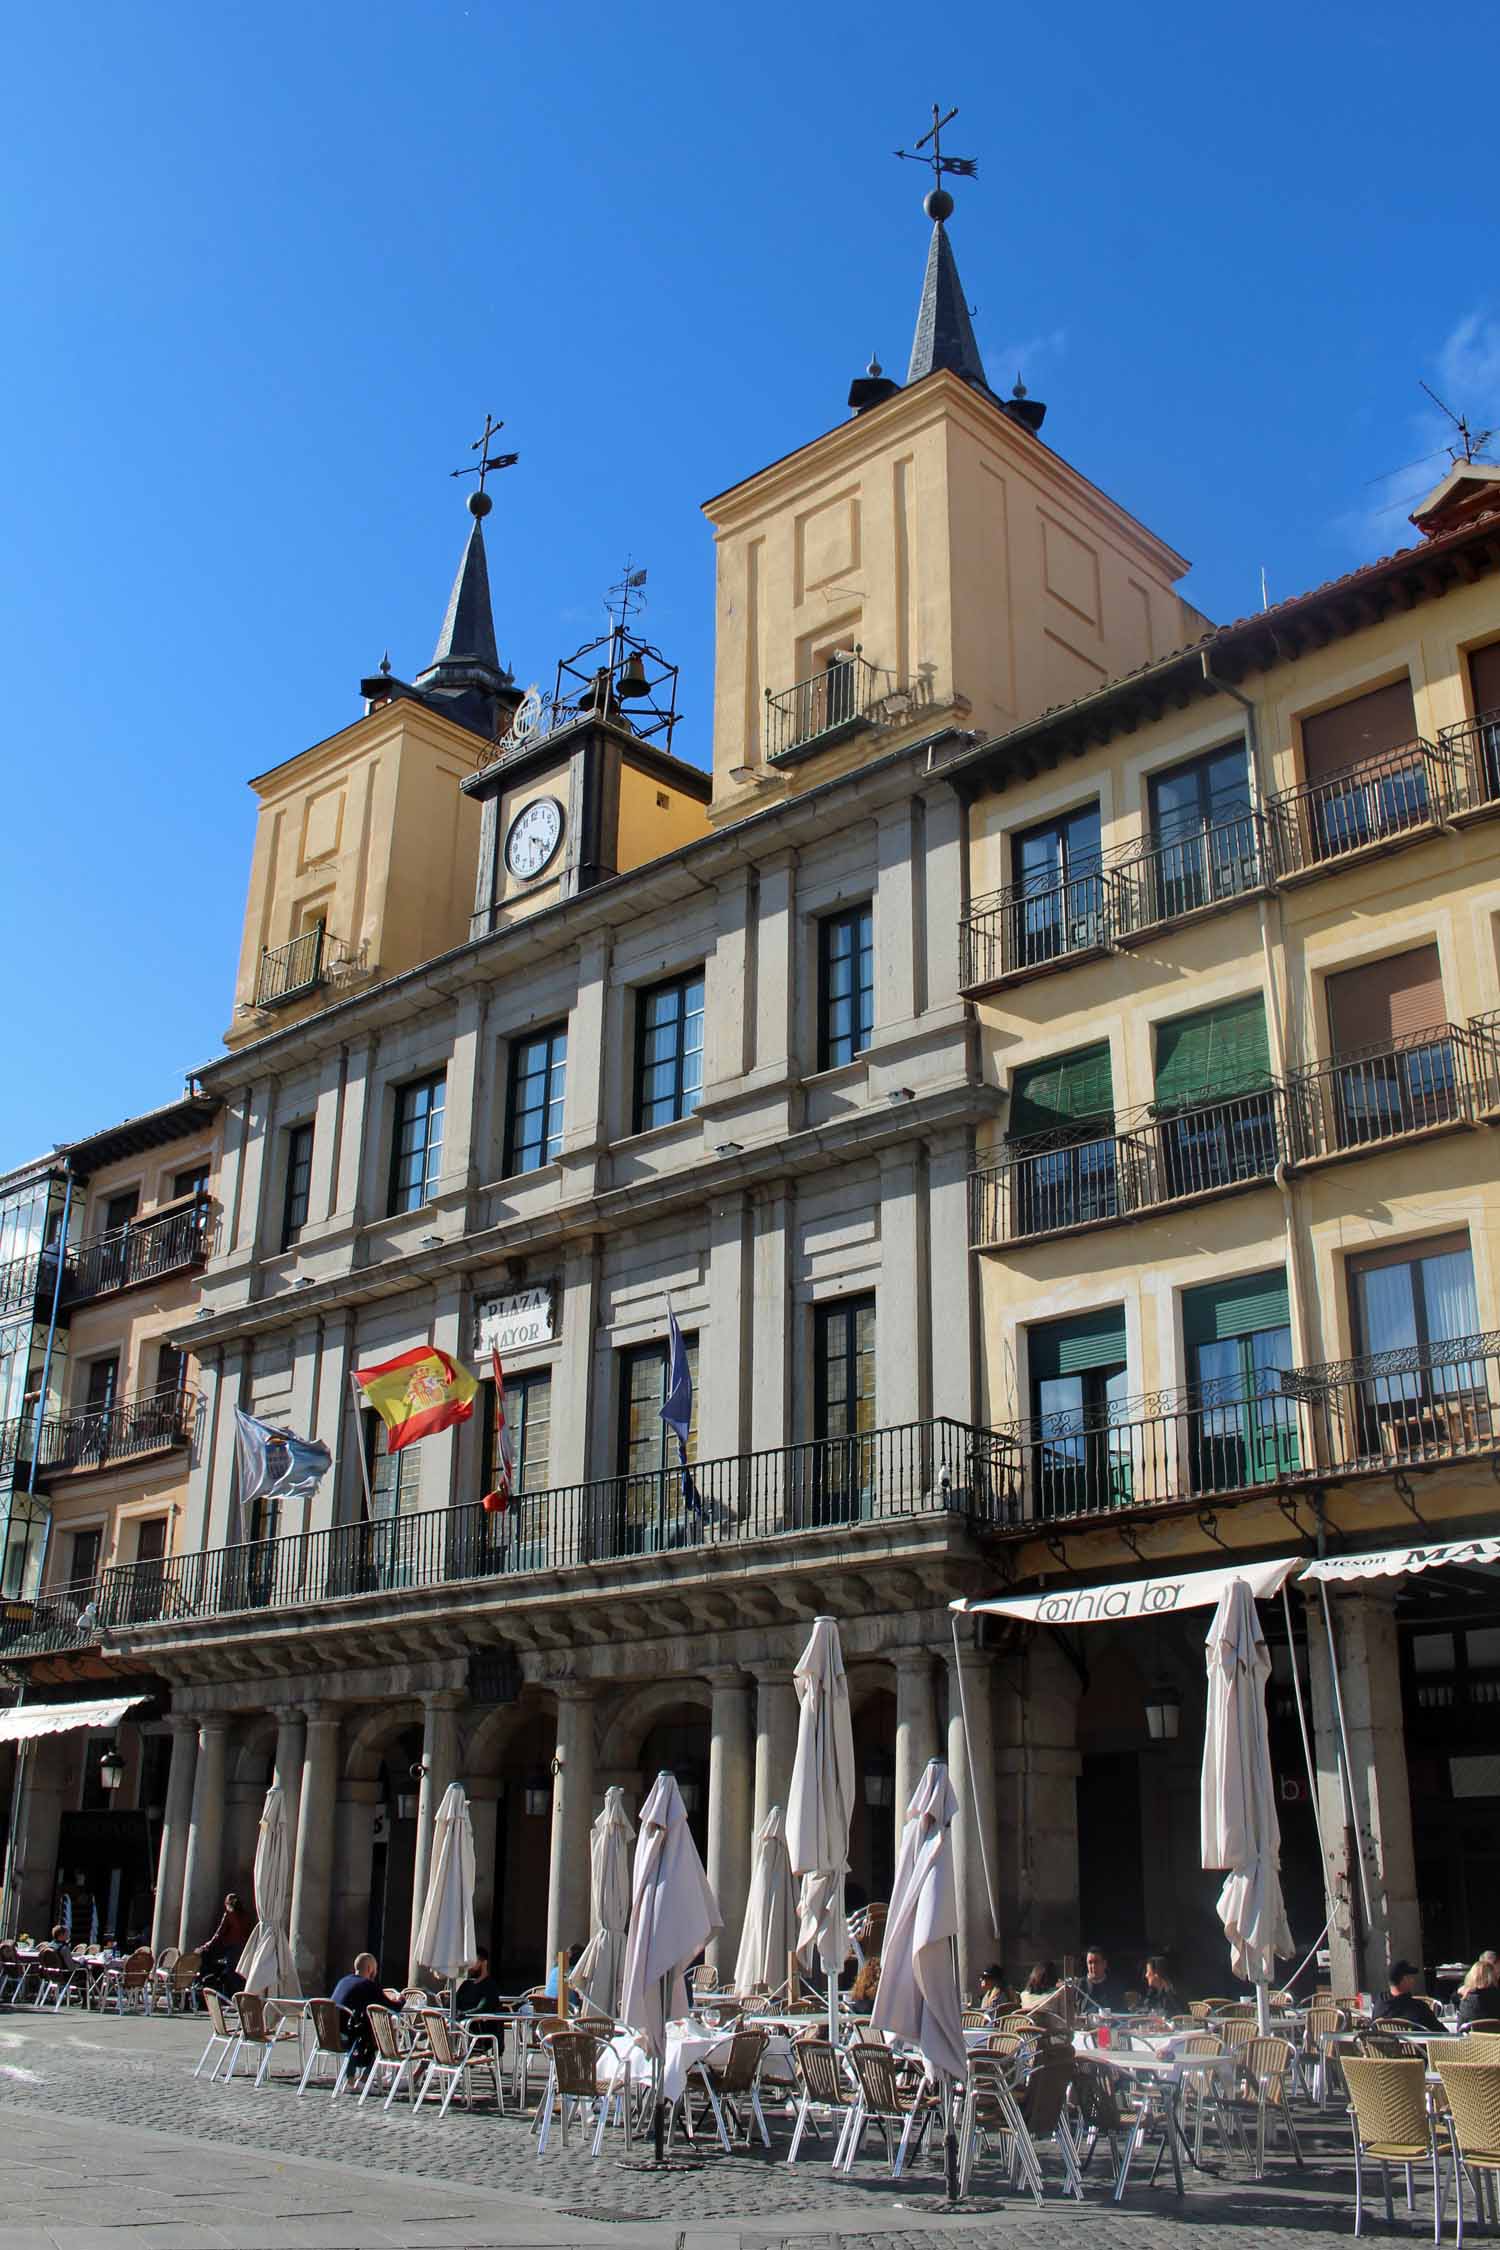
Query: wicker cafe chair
(224, 2034)
(1385, 2046)
(56, 1977)
(453, 2057)
(823, 2090)
(576, 2084)
(1100, 2112)
(399, 2060)
(13, 1972)
(181, 1981)
(328, 2046)
(263, 2028)
(883, 2101)
(1264, 2070)
(129, 1986)
(1390, 2121)
(161, 1975)
(1472, 2091)
(1319, 2026)
(736, 2083)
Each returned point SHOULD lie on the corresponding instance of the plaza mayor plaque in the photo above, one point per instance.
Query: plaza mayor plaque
(509, 1324)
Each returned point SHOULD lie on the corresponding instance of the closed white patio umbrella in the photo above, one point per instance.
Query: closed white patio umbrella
(601, 1965)
(266, 1963)
(1239, 1825)
(445, 1935)
(673, 1914)
(917, 1996)
(821, 1804)
(770, 1927)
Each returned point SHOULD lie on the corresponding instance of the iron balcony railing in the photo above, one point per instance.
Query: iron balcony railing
(834, 701)
(1139, 1162)
(175, 1241)
(914, 1470)
(1439, 1077)
(1414, 1406)
(1196, 868)
(1402, 792)
(64, 1619)
(98, 1436)
(26, 1284)
(1473, 753)
(287, 972)
(1031, 926)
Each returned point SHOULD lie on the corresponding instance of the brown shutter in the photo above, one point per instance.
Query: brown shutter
(1484, 678)
(1397, 998)
(1353, 734)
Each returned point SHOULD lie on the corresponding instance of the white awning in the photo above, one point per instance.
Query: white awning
(33, 1719)
(1395, 1562)
(1137, 1597)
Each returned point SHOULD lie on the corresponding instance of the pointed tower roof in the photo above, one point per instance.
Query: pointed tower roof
(945, 333)
(466, 655)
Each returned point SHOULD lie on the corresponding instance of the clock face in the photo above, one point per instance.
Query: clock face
(534, 836)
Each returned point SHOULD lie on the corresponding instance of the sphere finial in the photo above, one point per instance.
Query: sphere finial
(938, 204)
(479, 505)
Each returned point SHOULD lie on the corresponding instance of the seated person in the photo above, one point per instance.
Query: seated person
(1404, 2004)
(862, 1991)
(1161, 1992)
(357, 1994)
(1479, 1995)
(478, 1995)
(1041, 1985)
(1098, 1985)
(995, 1994)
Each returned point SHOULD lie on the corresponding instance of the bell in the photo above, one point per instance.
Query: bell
(632, 681)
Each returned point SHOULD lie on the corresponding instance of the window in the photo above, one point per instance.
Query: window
(83, 1563)
(1080, 1446)
(518, 1539)
(844, 1479)
(395, 1478)
(102, 1382)
(417, 1152)
(669, 1051)
(1217, 1118)
(1417, 1303)
(171, 1371)
(389, 1552)
(1394, 1064)
(651, 1510)
(1484, 698)
(121, 1209)
(297, 1193)
(1060, 906)
(1365, 771)
(1203, 838)
(1063, 1172)
(192, 1182)
(538, 1068)
(846, 986)
(1237, 1336)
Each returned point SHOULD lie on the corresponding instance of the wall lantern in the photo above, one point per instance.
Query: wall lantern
(1164, 1714)
(538, 1794)
(112, 1769)
(406, 1804)
(691, 1794)
(879, 1782)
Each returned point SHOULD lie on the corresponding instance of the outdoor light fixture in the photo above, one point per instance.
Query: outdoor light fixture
(1164, 1714)
(112, 1769)
(406, 1805)
(899, 1094)
(432, 1242)
(880, 1782)
(539, 1791)
(729, 1148)
(690, 1793)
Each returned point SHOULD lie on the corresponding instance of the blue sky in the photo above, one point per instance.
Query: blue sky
(265, 268)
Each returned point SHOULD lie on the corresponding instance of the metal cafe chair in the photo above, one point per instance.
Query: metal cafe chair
(328, 2048)
(1391, 2122)
(224, 2032)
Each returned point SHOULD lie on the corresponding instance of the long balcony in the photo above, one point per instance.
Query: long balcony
(151, 1249)
(1143, 1161)
(1383, 802)
(835, 702)
(918, 1469)
(1473, 753)
(1392, 1092)
(128, 1429)
(290, 972)
(1193, 872)
(67, 1618)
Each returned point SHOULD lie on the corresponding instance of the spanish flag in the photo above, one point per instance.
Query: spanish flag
(421, 1392)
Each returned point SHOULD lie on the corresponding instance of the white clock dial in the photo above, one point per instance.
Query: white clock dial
(534, 836)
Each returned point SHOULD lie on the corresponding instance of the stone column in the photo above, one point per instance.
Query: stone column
(572, 1812)
(730, 1805)
(354, 1854)
(291, 1746)
(974, 1787)
(1369, 1672)
(916, 1726)
(166, 1915)
(312, 1873)
(1036, 1866)
(775, 1738)
(439, 1770)
(203, 1872)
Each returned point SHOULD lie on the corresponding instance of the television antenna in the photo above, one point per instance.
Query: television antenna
(1471, 444)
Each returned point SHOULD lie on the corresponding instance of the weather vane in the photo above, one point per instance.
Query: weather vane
(480, 502)
(626, 596)
(963, 167)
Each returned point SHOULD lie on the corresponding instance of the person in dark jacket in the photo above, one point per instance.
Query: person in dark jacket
(1098, 1985)
(219, 1956)
(1479, 1995)
(1404, 2004)
(479, 1995)
(357, 1995)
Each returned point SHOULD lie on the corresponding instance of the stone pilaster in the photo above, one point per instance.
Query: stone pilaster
(974, 1786)
(1036, 1869)
(775, 1738)
(916, 1725)
(166, 1914)
(572, 1812)
(291, 1747)
(312, 1875)
(202, 1900)
(731, 1775)
(439, 1770)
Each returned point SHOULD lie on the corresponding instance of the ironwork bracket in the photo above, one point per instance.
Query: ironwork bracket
(1406, 1494)
(1287, 1503)
(1072, 1655)
(1057, 1548)
(1130, 1540)
(1208, 1524)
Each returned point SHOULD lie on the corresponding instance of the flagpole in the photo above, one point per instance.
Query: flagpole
(364, 1466)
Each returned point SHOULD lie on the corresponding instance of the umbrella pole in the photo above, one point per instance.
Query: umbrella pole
(658, 2082)
(833, 2007)
(1263, 2009)
(948, 2088)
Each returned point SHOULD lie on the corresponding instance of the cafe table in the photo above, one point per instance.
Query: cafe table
(1159, 2078)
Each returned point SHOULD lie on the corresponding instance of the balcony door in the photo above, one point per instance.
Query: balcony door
(1059, 907)
(1395, 1070)
(1484, 696)
(1081, 1461)
(1366, 775)
(1061, 1141)
(1237, 1336)
(650, 1509)
(1202, 833)
(1217, 1114)
(1414, 1310)
(844, 1410)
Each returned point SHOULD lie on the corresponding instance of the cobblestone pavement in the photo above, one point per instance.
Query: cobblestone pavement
(106, 2139)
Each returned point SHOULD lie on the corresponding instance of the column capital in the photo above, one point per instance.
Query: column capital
(182, 1722)
(914, 1659)
(720, 1676)
(774, 1675)
(322, 1714)
(213, 1722)
(444, 1699)
(572, 1691)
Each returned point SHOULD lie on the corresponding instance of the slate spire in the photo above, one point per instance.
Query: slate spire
(945, 333)
(466, 655)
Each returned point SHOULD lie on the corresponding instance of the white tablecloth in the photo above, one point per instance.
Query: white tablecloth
(689, 2044)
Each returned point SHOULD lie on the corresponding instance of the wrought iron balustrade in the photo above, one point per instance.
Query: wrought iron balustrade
(64, 1619)
(1031, 926)
(1384, 1093)
(834, 701)
(1196, 868)
(147, 1249)
(26, 1284)
(1473, 752)
(1421, 1403)
(1132, 1163)
(287, 972)
(913, 1470)
(1400, 793)
(97, 1436)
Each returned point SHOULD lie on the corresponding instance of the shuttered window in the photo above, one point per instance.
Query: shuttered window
(1484, 678)
(1225, 1310)
(1212, 1053)
(1072, 1347)
(1358, 732)
(1048, 1096)
(1383, 1001)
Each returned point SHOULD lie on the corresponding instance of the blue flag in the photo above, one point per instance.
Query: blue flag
(677, 1409)
(275, 1462)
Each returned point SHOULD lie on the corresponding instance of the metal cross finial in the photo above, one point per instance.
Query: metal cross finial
(487, 460)
(965, 167)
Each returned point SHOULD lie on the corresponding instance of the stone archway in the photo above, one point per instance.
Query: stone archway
(633, 1717)
(506, 1759)
(377, 1840)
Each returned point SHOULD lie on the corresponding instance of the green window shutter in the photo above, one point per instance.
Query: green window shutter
(1046, 1095)
(1227, 1309)
(1217, 1051)
(1069, 1347)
